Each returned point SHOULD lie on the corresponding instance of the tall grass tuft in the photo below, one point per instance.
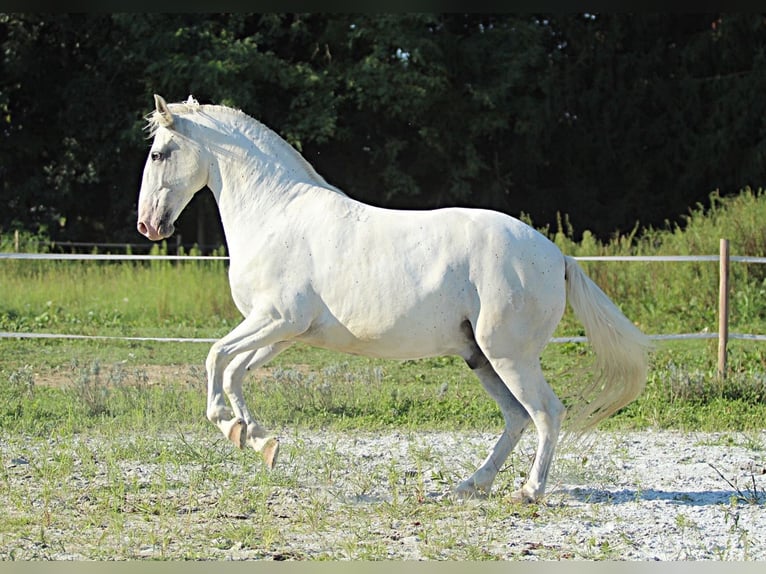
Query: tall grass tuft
(673, 297)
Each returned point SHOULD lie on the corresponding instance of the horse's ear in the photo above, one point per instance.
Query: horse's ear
(166, 117)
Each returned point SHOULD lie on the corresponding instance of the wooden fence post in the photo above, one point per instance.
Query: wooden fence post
(723, 307)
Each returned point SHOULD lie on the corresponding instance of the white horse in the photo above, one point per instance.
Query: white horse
(310, 264)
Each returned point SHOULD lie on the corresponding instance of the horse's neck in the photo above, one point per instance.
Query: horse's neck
(254, 138)
(254, 188)
(256, 176)
(278, 147)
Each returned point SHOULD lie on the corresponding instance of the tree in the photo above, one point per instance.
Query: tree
(651, 113)
(611, 119)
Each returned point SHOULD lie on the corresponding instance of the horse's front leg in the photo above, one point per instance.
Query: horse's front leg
(246, 429)
(227, 363)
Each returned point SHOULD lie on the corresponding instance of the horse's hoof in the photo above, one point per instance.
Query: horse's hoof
(468, 491)
(270, 451)
(238, 433)
(522, 497)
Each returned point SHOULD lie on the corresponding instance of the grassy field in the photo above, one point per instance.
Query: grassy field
(68, 387)
(318, 388)
(73, 411)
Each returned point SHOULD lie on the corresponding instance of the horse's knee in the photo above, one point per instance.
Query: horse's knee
(212, 358)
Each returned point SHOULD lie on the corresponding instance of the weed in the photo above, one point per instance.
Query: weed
(18, 387)
(92, 392)
(750, 494)
(737, 546)
(600, 549)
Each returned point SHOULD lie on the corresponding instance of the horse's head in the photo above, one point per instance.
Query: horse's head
(175, 170)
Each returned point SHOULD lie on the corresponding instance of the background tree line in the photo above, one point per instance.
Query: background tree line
(614, 120)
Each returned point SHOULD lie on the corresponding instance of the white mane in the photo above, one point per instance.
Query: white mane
(244, 124)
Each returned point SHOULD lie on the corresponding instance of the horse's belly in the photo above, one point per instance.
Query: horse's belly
(424, 332)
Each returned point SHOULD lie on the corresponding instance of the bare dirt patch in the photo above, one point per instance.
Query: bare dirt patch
(133, 374)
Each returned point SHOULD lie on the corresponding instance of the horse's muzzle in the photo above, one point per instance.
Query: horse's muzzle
(162, 231)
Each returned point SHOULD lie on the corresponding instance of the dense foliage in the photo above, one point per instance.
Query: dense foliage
(612, 119)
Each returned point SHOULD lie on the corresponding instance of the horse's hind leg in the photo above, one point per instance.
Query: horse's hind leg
(525, 380)
(516, 420)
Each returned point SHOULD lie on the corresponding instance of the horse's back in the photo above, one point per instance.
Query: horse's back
(504, 253)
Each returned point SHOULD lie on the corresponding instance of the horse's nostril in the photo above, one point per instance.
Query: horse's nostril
(142, 229)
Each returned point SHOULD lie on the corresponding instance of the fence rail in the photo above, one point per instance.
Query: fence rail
(109, 257)
(175, 245)
(140, 257)
(723, 258)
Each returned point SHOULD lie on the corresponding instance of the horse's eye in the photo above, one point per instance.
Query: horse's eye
(157, 156)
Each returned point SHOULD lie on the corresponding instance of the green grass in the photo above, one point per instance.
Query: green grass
(672, 297)
(145, 298)
(105, 451)
(106, 380)
(313, 388)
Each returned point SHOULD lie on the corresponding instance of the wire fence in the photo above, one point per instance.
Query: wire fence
(141, 257)
(722, 335)
(109, 257)
(19, 335)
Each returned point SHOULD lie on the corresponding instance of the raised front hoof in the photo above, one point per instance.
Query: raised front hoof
(269, 449)
(270, 453)
(238, 433)
(467, 490)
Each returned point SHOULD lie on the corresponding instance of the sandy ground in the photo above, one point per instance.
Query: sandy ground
(637, 496)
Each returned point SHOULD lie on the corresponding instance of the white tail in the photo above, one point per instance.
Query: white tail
(621, 352)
